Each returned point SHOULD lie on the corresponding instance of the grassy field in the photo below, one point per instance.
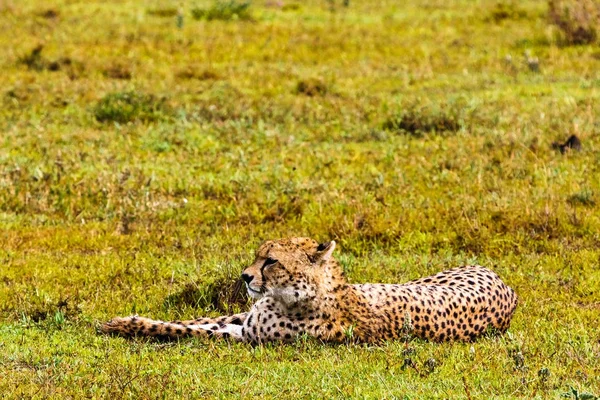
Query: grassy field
(142, 162)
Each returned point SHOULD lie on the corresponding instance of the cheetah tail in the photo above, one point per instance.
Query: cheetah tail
(139, 326)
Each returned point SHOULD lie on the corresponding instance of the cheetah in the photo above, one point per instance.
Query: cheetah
(300, 288)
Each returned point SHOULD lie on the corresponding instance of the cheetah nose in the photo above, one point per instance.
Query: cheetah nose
(247, 278)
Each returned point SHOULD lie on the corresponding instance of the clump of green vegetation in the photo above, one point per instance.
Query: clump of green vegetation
(584, 198)
(418, 119)
(162, 12)
(575, 394)
(224, 11)
(312, 87)
(506, 11)
(578, 20)
(123, 107)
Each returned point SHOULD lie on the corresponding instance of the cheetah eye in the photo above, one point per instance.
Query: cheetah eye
(269, 261)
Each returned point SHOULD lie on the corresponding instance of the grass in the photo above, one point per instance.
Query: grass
(123, 107)
(224, 10)
(417, 119)
(157, 216)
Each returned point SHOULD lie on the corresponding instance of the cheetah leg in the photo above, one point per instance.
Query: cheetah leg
(139, 326)
(235, 319)
(224, 331)
(265, 325)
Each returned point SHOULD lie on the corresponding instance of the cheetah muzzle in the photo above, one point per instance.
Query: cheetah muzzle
(300, 288)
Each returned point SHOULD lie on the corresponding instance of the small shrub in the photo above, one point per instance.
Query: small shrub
(572, 143)
(577, 395)
(123, 107)
(73, 68)
(311, 87)
(506, 11)
(578, 20)
(430, 365)
(417, 120)
(58, 312)
(224, 11)
(118, 71)
(191, 72)
(584, 198)
(49, 14)
(163, 12)
(543, 375)
(290, 7)
(35, 61)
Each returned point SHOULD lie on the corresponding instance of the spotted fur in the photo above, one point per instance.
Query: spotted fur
(300, 288)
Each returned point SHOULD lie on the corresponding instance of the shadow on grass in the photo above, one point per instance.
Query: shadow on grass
(220, 295)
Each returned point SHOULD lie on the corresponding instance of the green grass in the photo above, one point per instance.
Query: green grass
(158, 216)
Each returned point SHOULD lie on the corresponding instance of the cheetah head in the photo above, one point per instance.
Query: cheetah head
(289, 270)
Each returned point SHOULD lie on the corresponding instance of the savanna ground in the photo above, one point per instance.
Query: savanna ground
(142, 162)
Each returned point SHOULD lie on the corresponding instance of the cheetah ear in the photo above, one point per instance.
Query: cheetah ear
(324, 252)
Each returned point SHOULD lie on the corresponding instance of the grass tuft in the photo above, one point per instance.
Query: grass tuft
(162, 12)
(224, 10)
(417, 120)
(291, 7)
(585, 198)
(35, 61)
(311, 87)
(118, 70)
(506, 11)
(49, 14)
(197, 73)
(123, 107)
